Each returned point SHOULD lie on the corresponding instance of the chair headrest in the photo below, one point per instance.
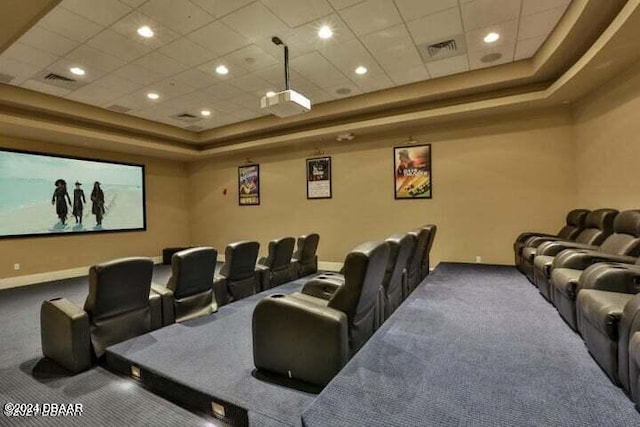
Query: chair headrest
(627, 222)
(240, 260)
(601, 219)
(192, 271)
(577, 217)
(280, 252)
(307, 246)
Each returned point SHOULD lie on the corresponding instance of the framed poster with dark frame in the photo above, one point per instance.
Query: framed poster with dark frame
(412, 172)
(48, 195)
(319, 178)
(249, 185)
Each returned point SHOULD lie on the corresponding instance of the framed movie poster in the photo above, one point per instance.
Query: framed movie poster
(47, 195)
(249, 185)
(412, 172)
(319, 178)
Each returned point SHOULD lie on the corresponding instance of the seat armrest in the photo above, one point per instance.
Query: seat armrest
(535, 241)
(322, 288)
(523, 237)
(221, 291)
(612, 277)
(264, 277)
(261, 261)
(65, 336)
(286, 328)
(580, 259)
(554, 248)
(167, 303)
(155, 308)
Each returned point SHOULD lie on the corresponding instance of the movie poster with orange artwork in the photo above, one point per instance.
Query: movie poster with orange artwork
(412, 172)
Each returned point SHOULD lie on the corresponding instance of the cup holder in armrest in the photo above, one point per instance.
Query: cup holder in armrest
(276, 296)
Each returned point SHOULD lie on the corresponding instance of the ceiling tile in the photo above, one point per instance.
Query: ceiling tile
(318, 70)
(304, 39)
(29, 55)
(251, 83)
(446, 67)
(234, 72)
(406, 75)
(507, 30)
(352, 54)
(117, 45)
(341, 4)
(187, 52)
(372, 82)
(227, 106)
(133, 3)
(101, 12)
(371, 15)
(297, 12)
(218, 38)
(48, 41)
(161, 64)
(63, 65)
(220, 8)
(223, 91)
(477, 59)
(90, 58)
(197, 79)
(70, 25)
(250, 58)
(393, 47)
(138, 74)
(169, 88)
(245, 114)
(181, 16)
(527, 48)
(340, 91)
(256, 22)
(539, 24)
(437, 27)
(248, 101)
(19, 70)
(529, 7)
(483, 13)
(413, 9)
(129, 25)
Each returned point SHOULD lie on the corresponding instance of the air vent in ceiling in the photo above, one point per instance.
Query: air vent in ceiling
(194, 128)
(6, 78)
(186, 117)
(119, 108)
(442, 49)
(59, 80)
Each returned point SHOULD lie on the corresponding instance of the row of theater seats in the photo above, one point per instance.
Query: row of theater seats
(590, 271)
(123, 302)
(310, 335)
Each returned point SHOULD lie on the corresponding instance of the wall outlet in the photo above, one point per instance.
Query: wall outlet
(16, 266)
(478, 259)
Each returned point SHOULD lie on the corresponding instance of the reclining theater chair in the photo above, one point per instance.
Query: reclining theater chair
(238, 276)
(119, 306)
(395, 276)
(276, 268)
(431, 229)
(634, 368)
(529, 241)
(608, 314)
(622, 246)
(305, 258)
(189, 292)
(310, 335)
(414, 269)
(598, 226)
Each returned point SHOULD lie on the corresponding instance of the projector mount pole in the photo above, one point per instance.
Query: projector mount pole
(276, 40)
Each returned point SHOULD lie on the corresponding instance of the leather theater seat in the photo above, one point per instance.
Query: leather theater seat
(634, 368)
(119, 306)
(310, 335)
(416, 260)
(276, 268)
(526, 244)
(608, 314)
(305, 259)
(426, 265)
(189, 291)
(621, 246)
(598, 226)
(238, 277)
(400, 248)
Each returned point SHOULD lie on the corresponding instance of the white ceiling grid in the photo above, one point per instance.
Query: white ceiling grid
(192, 37)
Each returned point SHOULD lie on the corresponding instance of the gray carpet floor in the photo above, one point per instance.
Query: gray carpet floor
(107, 399)
(473, 346)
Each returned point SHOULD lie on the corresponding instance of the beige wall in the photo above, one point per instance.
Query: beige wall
(167, 220)
(607, 141)
(488, 177)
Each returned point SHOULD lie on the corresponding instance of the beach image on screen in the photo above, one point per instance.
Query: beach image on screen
(44, 195)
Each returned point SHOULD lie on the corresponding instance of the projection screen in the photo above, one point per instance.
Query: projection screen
(45, 195)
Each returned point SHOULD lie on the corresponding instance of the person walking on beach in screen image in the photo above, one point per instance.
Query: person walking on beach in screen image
(97, 199)
(58, 199)
(78, 203)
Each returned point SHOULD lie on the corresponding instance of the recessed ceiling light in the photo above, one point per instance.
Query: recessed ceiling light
(221, 69)
(270, 93)
(145, 31)
(361, 70)
(325, 32)
(205, 113)
(153, 95)
(77, 71)
(491, 37)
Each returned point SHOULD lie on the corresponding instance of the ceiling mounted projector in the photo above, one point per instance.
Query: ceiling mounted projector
(288, 102)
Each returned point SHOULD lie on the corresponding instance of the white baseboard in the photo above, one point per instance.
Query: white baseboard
(33, 279)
